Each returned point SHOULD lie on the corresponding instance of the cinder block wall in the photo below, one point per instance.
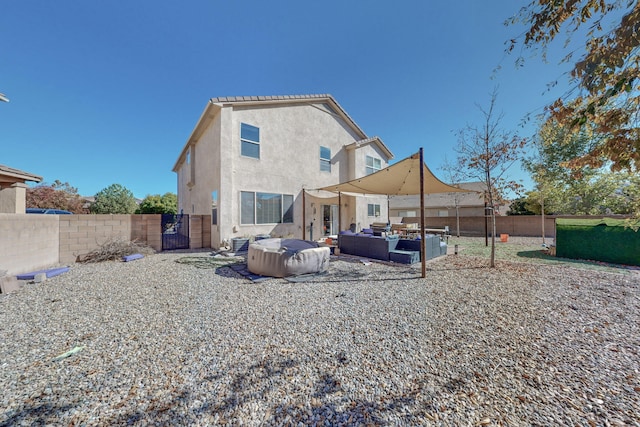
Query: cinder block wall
(34, 242)
(81, 234)
(199, 231)
(516, 225)
(206, 231)
(146, 228)
(28, 242)
(195, 231)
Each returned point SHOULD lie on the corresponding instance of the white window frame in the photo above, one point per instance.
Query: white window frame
(373, 208)
(325, 162)
(286, 207)
(245, 140)
(370, 165)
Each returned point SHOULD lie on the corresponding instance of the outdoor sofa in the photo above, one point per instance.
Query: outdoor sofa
(388, 248)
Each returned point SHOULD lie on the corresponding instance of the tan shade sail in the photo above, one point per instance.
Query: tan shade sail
(401, 178)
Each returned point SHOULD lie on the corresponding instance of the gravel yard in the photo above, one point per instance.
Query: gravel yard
(167, 343)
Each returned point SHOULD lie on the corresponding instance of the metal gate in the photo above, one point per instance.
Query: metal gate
(175, 231)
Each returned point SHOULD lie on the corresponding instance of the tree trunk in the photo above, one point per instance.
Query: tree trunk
(493, 239)
(542, 214)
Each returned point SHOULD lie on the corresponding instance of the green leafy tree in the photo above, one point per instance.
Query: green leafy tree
(485, 153)
(115, 199)
(606, 78)
(519, 207)
(58, 195)
(564, 188)
(157, 204)
(553, 149)
(607, 193)
(532, 203)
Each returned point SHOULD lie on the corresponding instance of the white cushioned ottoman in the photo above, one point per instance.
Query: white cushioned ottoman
(286, 257)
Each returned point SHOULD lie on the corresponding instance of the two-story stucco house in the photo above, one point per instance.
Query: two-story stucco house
(249, 160)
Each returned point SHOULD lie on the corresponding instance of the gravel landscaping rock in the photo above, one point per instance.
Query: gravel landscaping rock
(155, 341)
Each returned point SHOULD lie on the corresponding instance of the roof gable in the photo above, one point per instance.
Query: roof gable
(333, 105)
(330, 104)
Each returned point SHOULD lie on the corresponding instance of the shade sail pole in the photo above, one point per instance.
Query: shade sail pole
(423, 246)
(339, 213)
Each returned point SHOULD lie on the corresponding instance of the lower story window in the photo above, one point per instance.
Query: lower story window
(265, 208)
(373, 209)
(214, 207)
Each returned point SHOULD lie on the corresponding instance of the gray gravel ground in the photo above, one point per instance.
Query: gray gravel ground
(165, 343)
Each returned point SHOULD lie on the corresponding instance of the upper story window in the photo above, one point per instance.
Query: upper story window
(373, 165)
(325, 159)
(249, 141)
(191, 165)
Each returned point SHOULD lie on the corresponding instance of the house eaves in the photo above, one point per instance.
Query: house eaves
(373, 140)
(210, 111)
(8, 174)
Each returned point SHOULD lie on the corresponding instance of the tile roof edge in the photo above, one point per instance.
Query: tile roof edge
(267, 98)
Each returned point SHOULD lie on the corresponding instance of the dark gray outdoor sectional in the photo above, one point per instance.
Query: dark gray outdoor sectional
(389, 248)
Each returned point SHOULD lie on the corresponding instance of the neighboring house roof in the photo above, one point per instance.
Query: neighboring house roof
(215, 104)
(474, 197)
(8, 174)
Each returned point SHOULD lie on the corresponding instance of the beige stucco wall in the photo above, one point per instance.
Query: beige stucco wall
(290, 140)
(28, 242)
(204, 174)
(13, 197)
(291, 137)
(209, 175)
(358, 162)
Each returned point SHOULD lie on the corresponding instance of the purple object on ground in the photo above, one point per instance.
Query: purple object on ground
(132, 257)
(50, 273)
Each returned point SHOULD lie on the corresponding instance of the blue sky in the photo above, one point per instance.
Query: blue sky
(108, 92)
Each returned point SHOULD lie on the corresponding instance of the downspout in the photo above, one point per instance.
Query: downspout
(304, 217)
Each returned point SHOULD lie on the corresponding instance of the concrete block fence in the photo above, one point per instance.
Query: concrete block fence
(33, 242)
